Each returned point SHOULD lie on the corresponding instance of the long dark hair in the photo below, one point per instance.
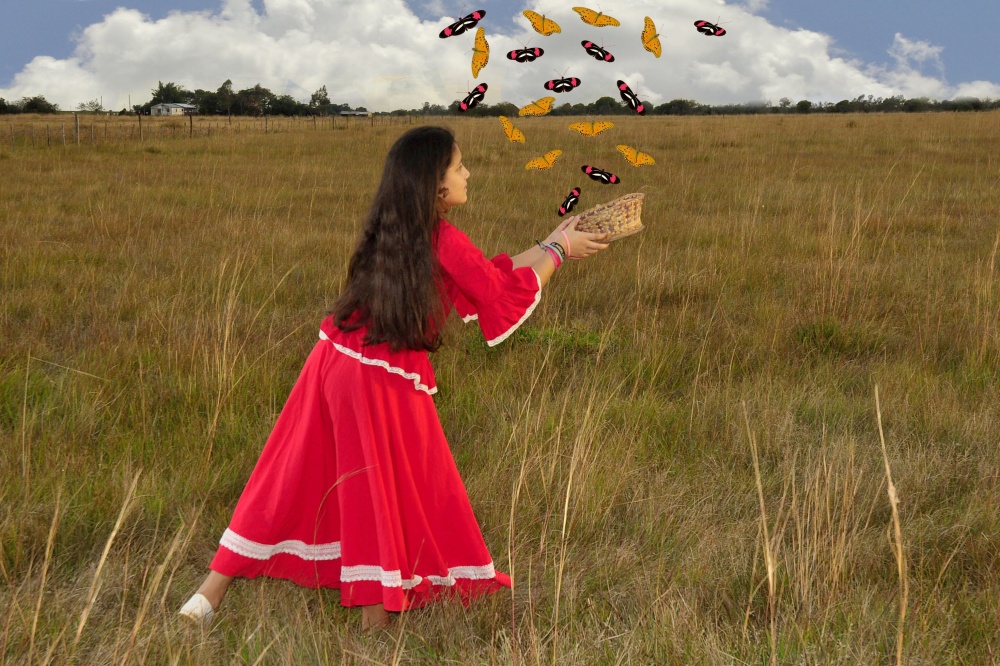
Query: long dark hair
(392, 279)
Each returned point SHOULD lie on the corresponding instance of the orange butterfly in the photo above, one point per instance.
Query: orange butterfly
(591, 129)
(595, 18)
(545, 161)
(651, 39)
(513, 134)
(634, 157)
(480, 53)
(537, 108)
(542, 25)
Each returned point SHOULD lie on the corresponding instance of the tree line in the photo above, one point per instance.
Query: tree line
(609, 106)
(259, 101)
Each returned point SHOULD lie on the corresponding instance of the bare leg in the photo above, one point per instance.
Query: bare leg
(214, 588)
(374, 617)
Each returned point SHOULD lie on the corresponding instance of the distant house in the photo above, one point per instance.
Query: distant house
(356, 113)
(173, 110)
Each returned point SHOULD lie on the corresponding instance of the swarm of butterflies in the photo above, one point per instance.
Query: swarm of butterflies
(540, 107)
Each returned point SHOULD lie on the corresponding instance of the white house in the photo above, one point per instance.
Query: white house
(173, 110)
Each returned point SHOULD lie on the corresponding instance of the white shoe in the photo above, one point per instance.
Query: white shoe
(199, 610)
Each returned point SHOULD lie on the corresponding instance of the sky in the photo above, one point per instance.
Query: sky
(386, 54)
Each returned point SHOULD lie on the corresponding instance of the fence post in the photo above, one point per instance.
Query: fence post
(48, 138)
(76, 127)
(138, 114)
(265, 124)
(32, 136)
(190, 126)
(91, 133)
(64, 134)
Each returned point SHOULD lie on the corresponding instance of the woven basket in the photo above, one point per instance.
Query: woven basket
(619, 217)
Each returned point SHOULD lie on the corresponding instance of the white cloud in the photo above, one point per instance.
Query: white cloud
(907, 52)
(379, 54)
(756, 6)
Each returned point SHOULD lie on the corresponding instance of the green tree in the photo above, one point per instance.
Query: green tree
(678, 107)
(37, 104)
(226, 97)
(286, 105)
(254, 101)
(804, 106)
(605, 106)
(93, 106)
(917, 105)
(320, 101)
(169, 93)
(206, 101)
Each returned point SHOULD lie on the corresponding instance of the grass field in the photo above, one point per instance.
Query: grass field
(678, 456)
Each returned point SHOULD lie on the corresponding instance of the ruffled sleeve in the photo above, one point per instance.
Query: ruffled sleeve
(491, 291)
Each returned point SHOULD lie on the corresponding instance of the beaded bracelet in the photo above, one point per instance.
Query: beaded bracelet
(555, 257)
(554, 246)
(555, 252)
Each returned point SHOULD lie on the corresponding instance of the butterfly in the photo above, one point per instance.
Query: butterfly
(525, 55)
(537, 108)
(545, 161)
(651, 39)
(570, 201)
(634, 157)
(513, 134)
(562, 85)
(463, 24)
(631, 98)
(709, 29)
(596, 51)
(601, 176)
(541, 24)
(595, 18)
(592, 129)
(473, 98)
(480, 53)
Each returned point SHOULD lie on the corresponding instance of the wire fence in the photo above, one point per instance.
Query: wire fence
(86, 129)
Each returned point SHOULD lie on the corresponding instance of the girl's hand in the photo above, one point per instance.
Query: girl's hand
(581, 244)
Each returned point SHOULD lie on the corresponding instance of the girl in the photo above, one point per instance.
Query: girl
(356, 487)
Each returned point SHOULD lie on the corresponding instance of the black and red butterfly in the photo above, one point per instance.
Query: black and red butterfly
(601, 176)
(473, 98)
(562, 85)
(525, 54)
(570, 201)
(710, 29)
(631, 98)
(596, 51)
(463, 24)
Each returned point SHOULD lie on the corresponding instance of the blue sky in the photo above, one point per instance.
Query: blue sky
(775, 48)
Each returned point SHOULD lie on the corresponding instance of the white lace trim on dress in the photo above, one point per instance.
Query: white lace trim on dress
(262, 551)
(394, 578)
(472, 317)
(412, 376)
(527, 313)
(348, 574)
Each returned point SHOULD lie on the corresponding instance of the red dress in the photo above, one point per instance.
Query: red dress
(356, 487)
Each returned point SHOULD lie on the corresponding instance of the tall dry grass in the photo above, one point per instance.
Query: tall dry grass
(680, 456)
